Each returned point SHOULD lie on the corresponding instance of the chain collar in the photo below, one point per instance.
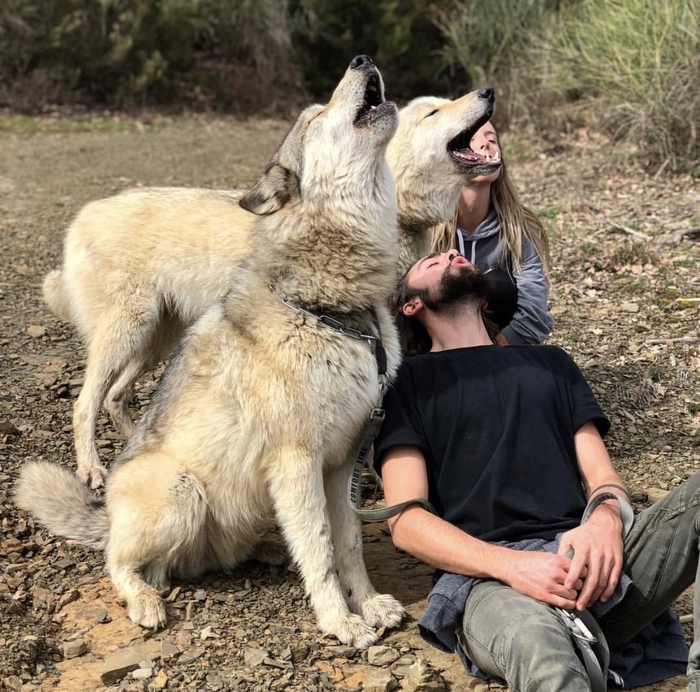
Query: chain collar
(374, 342)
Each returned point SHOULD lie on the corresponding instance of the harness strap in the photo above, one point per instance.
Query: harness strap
(354, 497)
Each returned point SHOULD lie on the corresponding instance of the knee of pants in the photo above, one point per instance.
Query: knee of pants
(524, 642)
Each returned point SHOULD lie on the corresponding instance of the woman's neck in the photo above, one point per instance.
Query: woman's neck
(473, 206)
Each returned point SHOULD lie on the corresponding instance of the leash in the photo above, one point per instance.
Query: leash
(376, 416)
(585, 631)
(590, 641)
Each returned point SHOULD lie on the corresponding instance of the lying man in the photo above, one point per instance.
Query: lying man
(506, 445)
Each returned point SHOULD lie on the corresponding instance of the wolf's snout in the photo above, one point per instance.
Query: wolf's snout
(361, 61)
(486, 93)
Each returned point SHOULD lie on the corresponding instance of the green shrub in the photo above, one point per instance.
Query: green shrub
(399, 35)
(634, 67)
(117, 51)
(487, 42)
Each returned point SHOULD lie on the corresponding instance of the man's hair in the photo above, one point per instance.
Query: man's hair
(413, 336)
(516, 222)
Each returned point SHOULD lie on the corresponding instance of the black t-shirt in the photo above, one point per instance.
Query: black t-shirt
(496, 426)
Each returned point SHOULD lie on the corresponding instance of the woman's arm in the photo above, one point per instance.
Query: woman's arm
(532, 323)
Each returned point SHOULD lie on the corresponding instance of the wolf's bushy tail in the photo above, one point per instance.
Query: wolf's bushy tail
(55, 294)
(62, 503)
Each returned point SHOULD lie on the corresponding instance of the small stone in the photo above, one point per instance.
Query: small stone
(159, 682)
(380, 680)
(629, 307)
(142, 673)
(12, 683)
(254, 657)
(200, 595)
(168, 650)
(36, 331)
(74, 648)
(69, 597)
(381, 655)
(208, 633)
(191, 655)
(656, 494)
(298, 651)
(420, 677)
(123, 661)
(172, 596)
(103, 617)
(339, 651)
(7, 427)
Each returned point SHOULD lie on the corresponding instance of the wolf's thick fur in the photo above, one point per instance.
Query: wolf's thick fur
(141, 266)
(431, 162)
(257, 415)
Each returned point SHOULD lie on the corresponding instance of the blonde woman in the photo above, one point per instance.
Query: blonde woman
(494, 231)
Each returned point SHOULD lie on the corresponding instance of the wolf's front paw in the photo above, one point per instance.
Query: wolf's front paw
(382, 610)
(148, 610)
(351, 630)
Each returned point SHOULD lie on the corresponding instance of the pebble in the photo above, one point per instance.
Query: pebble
(381, 655)
(74, 648)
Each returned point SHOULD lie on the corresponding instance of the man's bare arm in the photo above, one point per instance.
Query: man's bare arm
(597, 544)
(440, 544)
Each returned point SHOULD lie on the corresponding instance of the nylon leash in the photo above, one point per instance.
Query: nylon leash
(354, 497)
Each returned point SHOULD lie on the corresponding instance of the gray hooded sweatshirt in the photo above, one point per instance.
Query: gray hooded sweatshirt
(531, 323)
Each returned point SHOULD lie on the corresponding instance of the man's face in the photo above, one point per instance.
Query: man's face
(447, 279)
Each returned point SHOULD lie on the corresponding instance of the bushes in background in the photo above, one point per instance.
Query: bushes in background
(634, 68)
(631, 66)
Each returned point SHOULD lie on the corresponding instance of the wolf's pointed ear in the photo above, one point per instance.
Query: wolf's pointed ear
(276, 187)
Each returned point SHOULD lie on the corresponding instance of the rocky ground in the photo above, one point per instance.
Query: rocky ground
(626, 296)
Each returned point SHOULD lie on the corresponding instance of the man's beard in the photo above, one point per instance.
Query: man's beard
(468, 284)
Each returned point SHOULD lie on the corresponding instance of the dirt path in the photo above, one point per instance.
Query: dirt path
(626, 308)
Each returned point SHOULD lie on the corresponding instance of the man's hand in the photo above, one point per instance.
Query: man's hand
(597, 557)
(543, 576)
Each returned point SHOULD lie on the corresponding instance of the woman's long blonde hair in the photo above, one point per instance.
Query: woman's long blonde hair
(515, 222)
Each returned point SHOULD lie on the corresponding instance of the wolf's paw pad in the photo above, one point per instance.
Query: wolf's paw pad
(352, 630)
(382, 610)
(148, 610)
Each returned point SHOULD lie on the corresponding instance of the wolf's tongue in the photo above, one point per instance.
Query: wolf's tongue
(468, 155)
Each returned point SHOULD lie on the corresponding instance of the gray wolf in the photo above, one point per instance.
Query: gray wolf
(257, 415)
(141, 266)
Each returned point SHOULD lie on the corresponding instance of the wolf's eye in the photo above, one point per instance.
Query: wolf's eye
(432, 113)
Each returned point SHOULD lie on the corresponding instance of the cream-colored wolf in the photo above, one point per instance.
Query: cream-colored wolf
(258, 413)
(141, 266)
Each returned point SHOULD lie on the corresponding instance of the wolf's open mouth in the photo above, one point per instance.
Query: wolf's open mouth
(461, 151)
(372, 100)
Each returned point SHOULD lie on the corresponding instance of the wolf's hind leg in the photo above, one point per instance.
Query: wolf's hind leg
(376, 609)
(119, 395)
(157, 529)
(117, 352)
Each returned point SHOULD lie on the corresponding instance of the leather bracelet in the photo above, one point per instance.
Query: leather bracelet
(626, 513)
(609, 485)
